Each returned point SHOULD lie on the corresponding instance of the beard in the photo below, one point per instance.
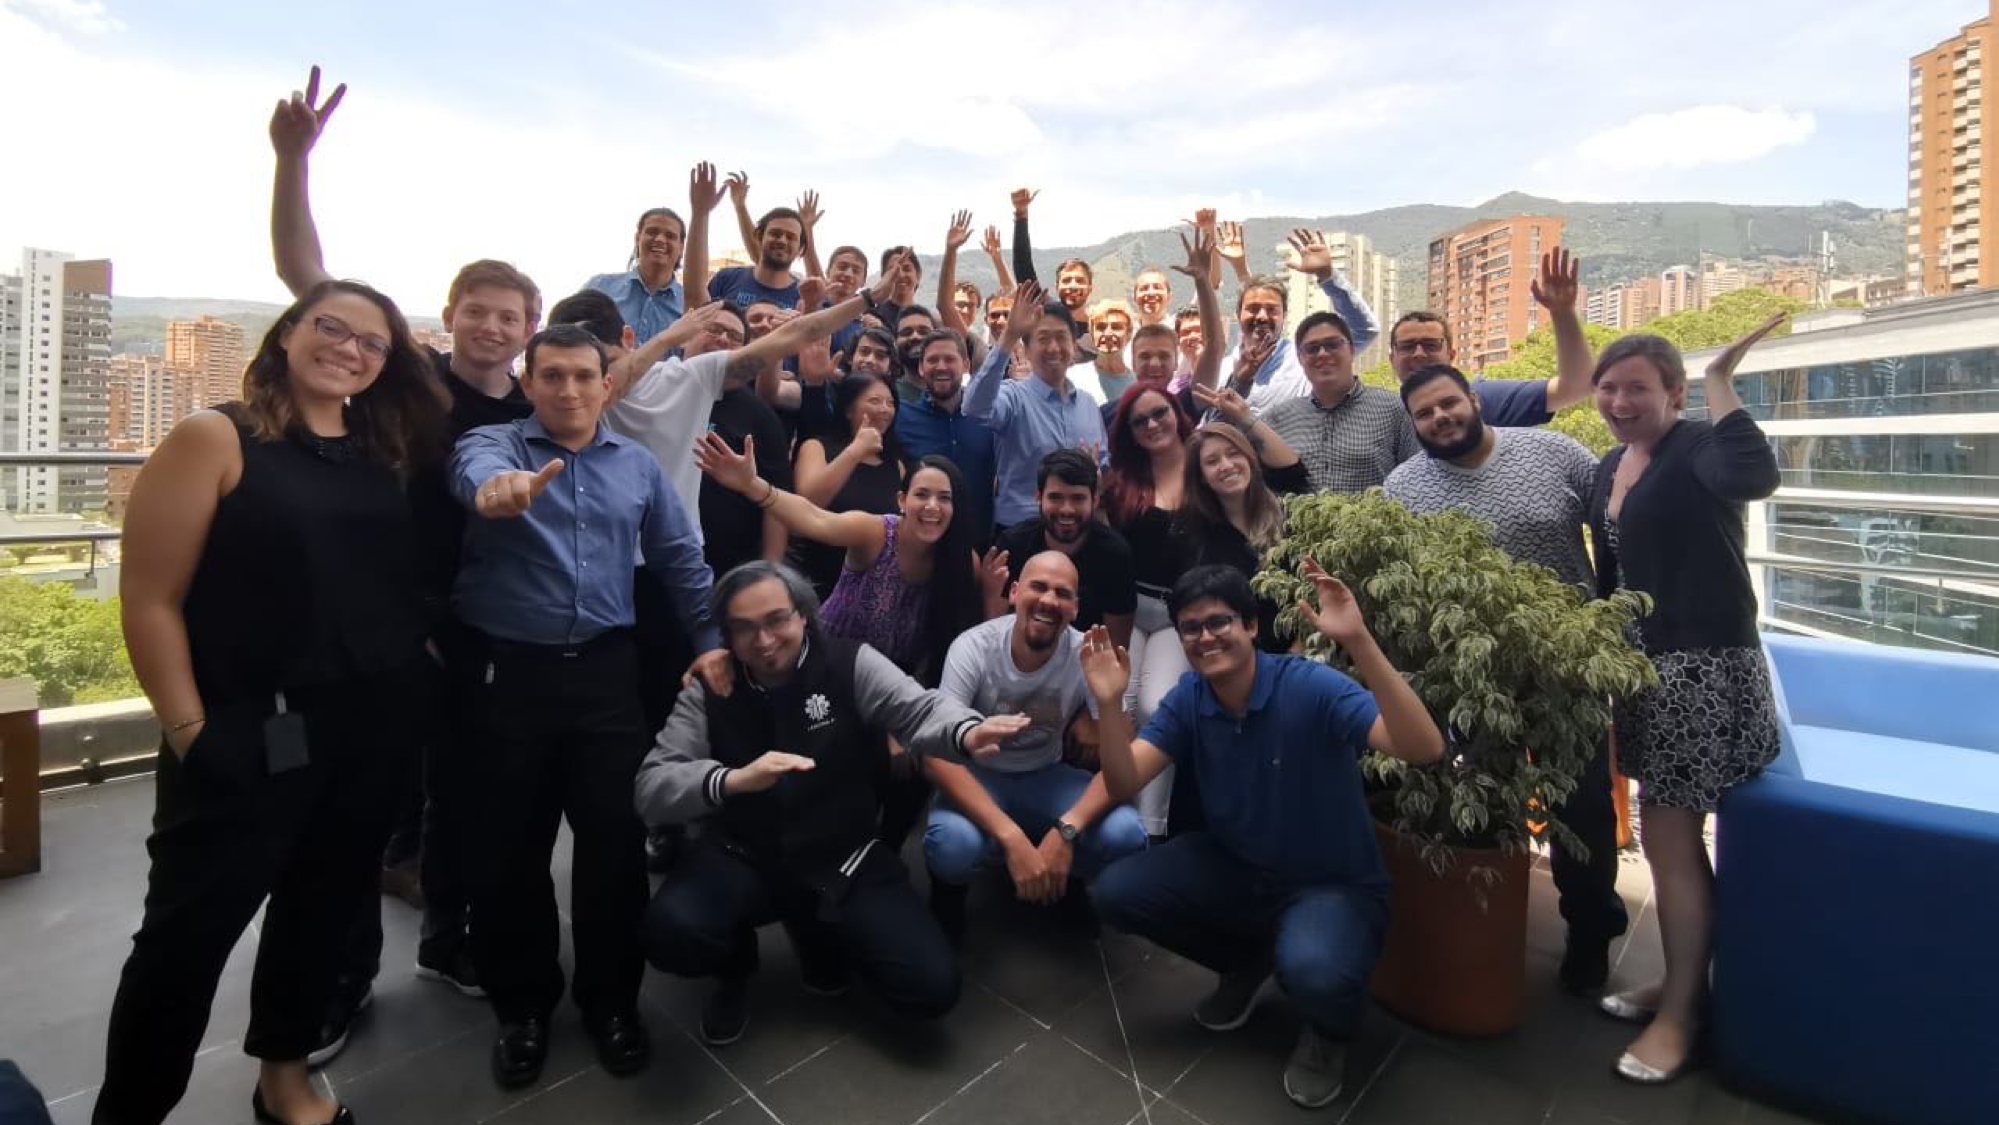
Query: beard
(776, 260)
(910, 357)
(1474, 432)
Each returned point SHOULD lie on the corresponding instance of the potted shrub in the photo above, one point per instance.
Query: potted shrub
(1518, 670)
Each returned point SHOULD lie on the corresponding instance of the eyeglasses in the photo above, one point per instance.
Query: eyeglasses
(741, 630)
(335, 331)
(1323, 347)
(1151, 418)
(1411, 347)
(1220, 625)
(730, 335)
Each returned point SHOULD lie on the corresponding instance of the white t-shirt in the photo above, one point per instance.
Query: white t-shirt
(667, 410)
(979, 672)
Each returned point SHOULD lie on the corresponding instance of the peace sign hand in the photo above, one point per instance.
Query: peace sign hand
(1224, 401)
(297, 122)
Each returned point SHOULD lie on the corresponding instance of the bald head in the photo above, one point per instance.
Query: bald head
(1044, 599)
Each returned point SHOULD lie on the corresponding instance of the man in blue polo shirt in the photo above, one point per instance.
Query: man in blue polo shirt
(1284, 875)
(1035, 416)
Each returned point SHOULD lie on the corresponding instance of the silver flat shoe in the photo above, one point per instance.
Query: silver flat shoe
(1620, 1006)
(1632, 1069)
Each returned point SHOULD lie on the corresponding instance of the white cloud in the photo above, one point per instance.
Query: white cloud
(89, 17)
(1689, 138)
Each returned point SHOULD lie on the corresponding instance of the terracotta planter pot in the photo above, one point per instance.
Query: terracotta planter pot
(1447, 965)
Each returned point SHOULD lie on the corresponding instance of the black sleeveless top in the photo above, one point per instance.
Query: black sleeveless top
(309, 573)
(869, 488)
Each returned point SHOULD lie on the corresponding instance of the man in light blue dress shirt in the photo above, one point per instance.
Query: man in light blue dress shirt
(1260, 322)
(1035, 416)
(649, 294)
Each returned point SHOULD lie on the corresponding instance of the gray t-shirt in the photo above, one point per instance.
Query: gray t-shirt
(1534, 490)
(666, 409)
(979, 672)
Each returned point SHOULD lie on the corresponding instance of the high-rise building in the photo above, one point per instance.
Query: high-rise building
(55, 352)
(1623, 306)
(1372, 274)
(1478, 283)
(1949, 209)
(146, 398)
(211, 351)
(1679, 290)
(1718, 276)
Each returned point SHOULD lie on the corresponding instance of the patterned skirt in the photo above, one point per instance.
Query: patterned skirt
(1710, 725)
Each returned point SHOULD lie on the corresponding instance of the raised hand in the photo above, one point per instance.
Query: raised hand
(702, 193)
(815, 362)
(884, 286)
(812, 293)
(1556, 286)
(1106, 667)
(961, 230)
(867, 442)
(993, 573)
(297, 121)
(715, 670)
(990, 735)
(1312, 254)
(809, 213)
(1722, 367)
(1198, 252)
(1337, 614)
(782, 317)
(1026, 312)
(734, 471)
(1021, 198)
(1225, 401)
(765, 771)
(1229, 240)
(992, 241)
(739, 188)
(507, 495)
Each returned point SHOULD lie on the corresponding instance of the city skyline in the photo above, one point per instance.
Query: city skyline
(1286, 107)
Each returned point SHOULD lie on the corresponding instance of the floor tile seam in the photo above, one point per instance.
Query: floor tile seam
(1108, 1065)
(413, 1054)
(1030, 1016)
(537, 1094)
(773, 1079)
(1373, 1078)
(976, 1079)
(1631, 931)
(1117, 1011)
(713, 1058)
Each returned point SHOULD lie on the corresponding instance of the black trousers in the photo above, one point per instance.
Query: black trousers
(228, 837)
(559, 736)
(704, 919)
(1588, 888)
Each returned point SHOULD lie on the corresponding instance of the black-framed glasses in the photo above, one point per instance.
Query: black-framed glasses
(1411, 347)
(1154, 417)
(740, 629)
(1218, 624)
(1328, 346)
(334, 330)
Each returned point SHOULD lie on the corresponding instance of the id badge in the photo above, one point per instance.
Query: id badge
(284, 741)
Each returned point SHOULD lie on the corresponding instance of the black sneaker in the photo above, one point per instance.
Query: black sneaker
(333, 1034)
(451, 964)
(727, 1012)
(824, 976)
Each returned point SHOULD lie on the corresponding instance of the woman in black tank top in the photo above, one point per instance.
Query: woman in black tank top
(272, 614)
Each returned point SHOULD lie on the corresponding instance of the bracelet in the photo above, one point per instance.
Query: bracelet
(181, 726)
(769, 496)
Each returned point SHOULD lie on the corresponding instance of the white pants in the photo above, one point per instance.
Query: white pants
(1157, 663)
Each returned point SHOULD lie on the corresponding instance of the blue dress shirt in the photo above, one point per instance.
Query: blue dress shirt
(648, 312)
(1030, 420)
(925, 428)
(561, 573)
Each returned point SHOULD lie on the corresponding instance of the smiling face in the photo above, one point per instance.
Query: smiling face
(489, 325)
(1261, 314)
(761, 317)
(996, 313)
(1110, 329)
(765, 630)
(1633, 399)
(1417, 344)
(1327, 357)
(1051, 348)
(658, 244)
(780, 242)
(927, 506)
(722, 333)
(1151, 293)
(870, 358)
(1066, 510)
(1220, 649)
(909, 334)
(568, 387)
(1072, 286)
(1153, 422)
(1154, 356)
(1446, 418)
(943, 369)
(1188, 330)
(874, 409)
(844, 275)
(1224, 469)
(1044, 600)
(319, 368)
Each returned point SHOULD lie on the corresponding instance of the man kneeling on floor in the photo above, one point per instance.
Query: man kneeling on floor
(782, 772)
(1284, 876)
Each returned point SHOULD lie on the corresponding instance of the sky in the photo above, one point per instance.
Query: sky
(536, 132)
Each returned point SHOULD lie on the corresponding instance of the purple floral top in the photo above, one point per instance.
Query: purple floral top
(876, 607)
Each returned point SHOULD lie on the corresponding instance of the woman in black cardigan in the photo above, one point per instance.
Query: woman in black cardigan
(1667, 519)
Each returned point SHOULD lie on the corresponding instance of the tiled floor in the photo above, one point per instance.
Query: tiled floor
(1054, 1027)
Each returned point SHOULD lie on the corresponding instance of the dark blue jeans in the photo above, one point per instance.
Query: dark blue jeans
(1193, 898)
(1588, 888)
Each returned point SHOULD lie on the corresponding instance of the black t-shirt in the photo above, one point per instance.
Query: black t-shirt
(440, 518)
(732, 525)
(1103, 567)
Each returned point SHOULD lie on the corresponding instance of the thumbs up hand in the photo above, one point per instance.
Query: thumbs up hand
(507, 495)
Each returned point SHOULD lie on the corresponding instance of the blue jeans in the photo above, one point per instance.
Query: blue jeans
(953, 846)
(1193, 898)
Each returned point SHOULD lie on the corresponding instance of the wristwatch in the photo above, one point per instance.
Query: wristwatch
(1067, 831)
(868, 301)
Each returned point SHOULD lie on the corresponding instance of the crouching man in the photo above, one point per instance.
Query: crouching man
(1284, 877)
(782, 773)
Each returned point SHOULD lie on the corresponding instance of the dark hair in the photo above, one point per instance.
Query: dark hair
(908, 311)
(1430, 374)
(398, 420)
(846, 392)
(850, 252)
(879, 335)
(781, 213)
(1128, 486)
(566, 336)
(1225, 584)
(1078, 263)
(1659, 350)
(1190, 312)
(594, 311)
(1264, 282)
(655, 212)
(742, 317)
(889, 254)
(956, 603)
(1420, 316)
(1058, 311)
(968, 287)
(957, 339)
(1321, 320)
(804, 598)
(1070, 466)
(1155, 330)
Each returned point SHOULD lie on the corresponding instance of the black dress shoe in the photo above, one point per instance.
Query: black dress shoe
(520, 1052)
(622, 1044)
(340, 1116)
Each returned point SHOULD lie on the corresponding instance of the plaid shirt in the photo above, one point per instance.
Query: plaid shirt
(1352, 445)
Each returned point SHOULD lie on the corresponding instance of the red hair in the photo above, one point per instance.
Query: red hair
(1128, 486)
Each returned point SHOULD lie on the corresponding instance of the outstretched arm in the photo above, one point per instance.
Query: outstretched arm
(947, 273)
(1200, 256)
(858, 532)
(296, 125)
(739, 198)
(993, 251)
(750, 359)
(1556, 290)
(1404, 728)
(702, 196)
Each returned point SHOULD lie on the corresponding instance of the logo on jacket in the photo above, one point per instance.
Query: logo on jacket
(817, 708)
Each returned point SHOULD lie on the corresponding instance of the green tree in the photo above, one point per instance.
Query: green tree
(1534, 358)
(72, 647)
